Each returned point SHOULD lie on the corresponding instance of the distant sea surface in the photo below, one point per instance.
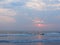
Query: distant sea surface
(47, 38)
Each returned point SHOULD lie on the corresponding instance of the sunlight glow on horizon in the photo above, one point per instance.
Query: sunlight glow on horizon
(30, 14)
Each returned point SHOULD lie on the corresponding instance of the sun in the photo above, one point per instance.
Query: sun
(40, 25)
(38, 22)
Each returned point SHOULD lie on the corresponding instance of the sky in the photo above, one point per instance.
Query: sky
(39, 15)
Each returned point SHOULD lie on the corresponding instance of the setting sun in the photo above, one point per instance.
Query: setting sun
(40, 25)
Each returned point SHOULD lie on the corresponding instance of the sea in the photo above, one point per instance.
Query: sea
(33, 38)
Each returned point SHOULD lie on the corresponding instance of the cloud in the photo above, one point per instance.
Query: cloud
(58, 0)
(7, 19)
(8, 1)
(35, 4)
(7, 12)
(39, 22)
(53, 0)
(54, 6)
(32, 4)
(7, 15)
(43, 5)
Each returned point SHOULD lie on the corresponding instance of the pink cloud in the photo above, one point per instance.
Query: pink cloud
(7, 15)
(7, 19)
(7, 12)
(38, 22)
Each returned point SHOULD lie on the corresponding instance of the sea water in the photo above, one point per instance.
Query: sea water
(50, 38)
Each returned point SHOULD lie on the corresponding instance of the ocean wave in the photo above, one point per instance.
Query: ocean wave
(3, 35)
(52, 34)
(27, 41)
